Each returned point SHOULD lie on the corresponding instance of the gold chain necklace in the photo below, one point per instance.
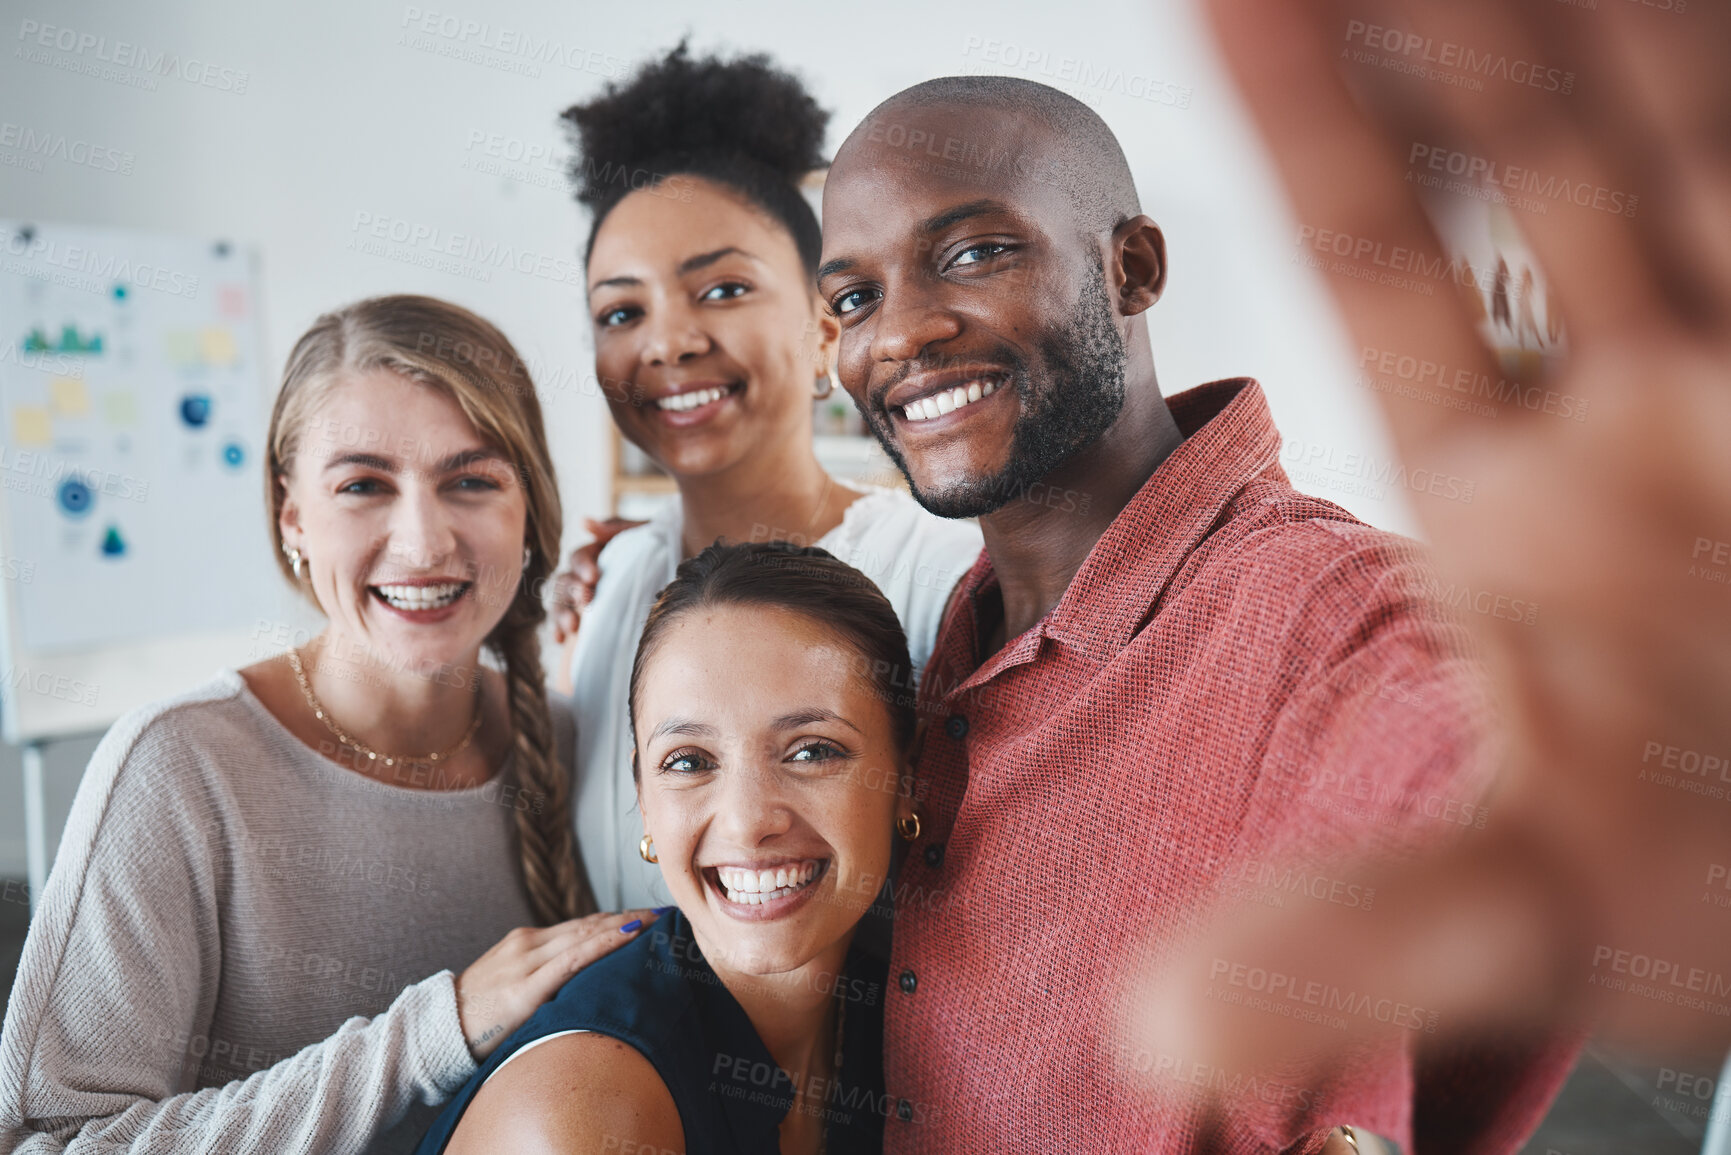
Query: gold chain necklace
(346, 739)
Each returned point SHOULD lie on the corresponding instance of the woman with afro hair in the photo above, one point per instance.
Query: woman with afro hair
(711, 343)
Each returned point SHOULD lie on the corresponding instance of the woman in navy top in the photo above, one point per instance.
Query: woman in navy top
(772, 714)
(661, 996)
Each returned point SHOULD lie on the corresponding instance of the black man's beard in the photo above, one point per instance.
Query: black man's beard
(1064, 411)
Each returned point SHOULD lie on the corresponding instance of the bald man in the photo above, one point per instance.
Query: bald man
(1170, 680)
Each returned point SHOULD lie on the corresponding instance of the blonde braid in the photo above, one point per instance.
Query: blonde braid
(553, 874)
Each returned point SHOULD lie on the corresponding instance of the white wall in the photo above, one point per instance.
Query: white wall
(349, 109)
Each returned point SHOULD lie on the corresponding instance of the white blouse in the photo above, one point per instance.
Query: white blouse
(916, 559)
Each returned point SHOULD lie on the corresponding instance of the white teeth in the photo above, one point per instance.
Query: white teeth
(948, 401)
(422, 597)
(680, 402)
(756, 887)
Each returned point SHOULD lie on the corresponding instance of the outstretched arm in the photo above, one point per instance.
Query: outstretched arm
(1609, 820)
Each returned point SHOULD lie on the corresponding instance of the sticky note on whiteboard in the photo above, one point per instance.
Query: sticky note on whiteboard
(121, 408)
(69, 397)
(181, 345)
(232, 301)
(218, 347)
(31, 425)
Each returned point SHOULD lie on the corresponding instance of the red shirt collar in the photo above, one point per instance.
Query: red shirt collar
(1229, 441)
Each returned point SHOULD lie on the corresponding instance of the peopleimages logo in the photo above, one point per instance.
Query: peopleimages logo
(106, 268)
(22, 680)
(87, 46)
(1660, 979)
(44, 473)
(516, 46)
(1515, 178)
(1446, 55)
(1086, 76)
(1303, 460)
(1291, 996)
(1271, 884)
(58, 146)
(466, 249)
(1501, 390)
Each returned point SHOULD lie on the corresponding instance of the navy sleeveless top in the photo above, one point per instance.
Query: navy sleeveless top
(658, 994)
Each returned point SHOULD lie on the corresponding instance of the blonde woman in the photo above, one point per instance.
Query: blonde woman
(269, 921)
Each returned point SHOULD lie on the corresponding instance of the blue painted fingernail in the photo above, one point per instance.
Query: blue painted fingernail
(665, 909)
(631, 926)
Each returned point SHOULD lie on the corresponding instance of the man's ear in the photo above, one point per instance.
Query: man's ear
(1136, 271)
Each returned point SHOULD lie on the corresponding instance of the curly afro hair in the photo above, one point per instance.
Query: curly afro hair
(743, 123)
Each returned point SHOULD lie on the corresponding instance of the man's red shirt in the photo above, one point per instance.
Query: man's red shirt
(1239, 678)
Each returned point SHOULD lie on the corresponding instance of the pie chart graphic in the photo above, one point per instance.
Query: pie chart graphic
(195, 410)
(75, 497)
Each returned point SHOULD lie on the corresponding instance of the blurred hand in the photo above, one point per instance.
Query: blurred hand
(1597, 891)
(574, 586)
(502, 988)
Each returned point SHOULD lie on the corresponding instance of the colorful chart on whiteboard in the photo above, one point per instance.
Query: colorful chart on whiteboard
(132, 410)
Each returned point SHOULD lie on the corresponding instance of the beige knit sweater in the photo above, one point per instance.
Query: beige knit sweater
(244, 947)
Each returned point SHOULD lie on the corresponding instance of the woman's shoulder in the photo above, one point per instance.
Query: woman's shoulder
(891, 516)
(915, 557)
(169, 760)
(645, 544)
(636, 1003)
(634, 566)
(569, 1093)
(155, 780)
(207, 725)
(641, 992)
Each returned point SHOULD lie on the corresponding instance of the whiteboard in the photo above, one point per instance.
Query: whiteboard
(134, 554)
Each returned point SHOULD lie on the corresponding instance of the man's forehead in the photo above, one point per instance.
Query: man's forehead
(919, 156)
(912, 126)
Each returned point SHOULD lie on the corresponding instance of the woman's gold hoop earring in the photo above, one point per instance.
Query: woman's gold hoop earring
(829, 386)
(646, 848)
(909, 827)
(294, 556)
